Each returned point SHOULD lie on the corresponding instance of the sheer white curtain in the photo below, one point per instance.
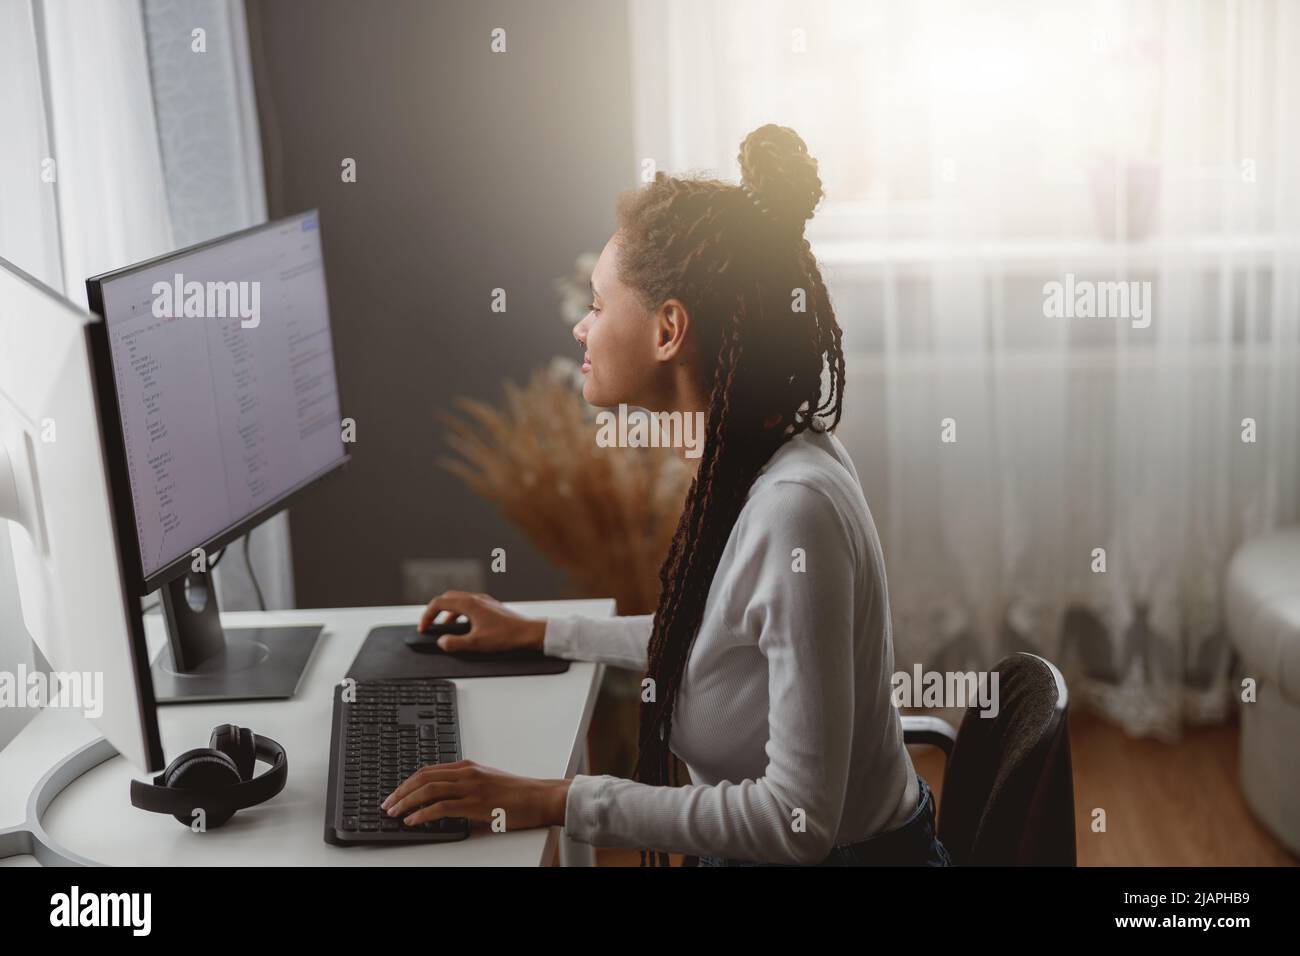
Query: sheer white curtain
(973, 156)
(120, 143)
(211, 158)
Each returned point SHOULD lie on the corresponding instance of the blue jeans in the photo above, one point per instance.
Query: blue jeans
(914, 843)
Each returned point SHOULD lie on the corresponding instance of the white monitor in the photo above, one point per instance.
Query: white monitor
(78, 601)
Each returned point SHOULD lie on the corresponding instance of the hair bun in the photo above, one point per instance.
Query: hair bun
(779, 175)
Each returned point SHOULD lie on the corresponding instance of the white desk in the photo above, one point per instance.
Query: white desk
(533, 726)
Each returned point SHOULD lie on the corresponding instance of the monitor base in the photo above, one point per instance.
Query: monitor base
(30, 839)
(257, 663)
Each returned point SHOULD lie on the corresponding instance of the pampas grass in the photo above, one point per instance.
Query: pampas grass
(604, 515)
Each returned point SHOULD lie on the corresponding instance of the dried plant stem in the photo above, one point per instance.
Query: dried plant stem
(604, 515)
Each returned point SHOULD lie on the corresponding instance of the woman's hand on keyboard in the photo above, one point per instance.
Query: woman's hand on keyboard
(493, 626)
(480, 794)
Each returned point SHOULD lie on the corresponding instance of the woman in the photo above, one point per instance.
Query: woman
(768, 659)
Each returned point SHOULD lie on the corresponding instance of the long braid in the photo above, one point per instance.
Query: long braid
(829, 336)
(679, 575)
(733, 256)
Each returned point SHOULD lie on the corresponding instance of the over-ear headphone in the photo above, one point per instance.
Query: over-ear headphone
(217, 779)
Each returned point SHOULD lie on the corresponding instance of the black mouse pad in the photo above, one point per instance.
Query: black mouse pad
(385, 656)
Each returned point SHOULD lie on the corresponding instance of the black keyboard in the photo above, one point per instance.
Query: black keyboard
(390, 730)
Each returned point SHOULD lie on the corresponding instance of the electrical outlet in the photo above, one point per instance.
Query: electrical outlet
(423, 579)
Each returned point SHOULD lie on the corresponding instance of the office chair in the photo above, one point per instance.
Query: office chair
(1008, 791)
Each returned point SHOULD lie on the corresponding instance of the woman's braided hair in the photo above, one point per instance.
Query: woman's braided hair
(736, 257)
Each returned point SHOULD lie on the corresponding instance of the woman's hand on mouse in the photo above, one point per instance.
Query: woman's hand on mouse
(493, 626)
(480, 794)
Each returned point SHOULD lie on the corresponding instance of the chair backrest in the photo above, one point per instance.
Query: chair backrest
(1008, 790)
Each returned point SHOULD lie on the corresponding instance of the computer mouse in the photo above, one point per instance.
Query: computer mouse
(426, 642)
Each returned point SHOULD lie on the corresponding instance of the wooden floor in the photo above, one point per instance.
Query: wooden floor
(1166, 804)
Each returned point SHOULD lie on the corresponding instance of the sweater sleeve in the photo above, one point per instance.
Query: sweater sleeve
(620, 641)
(804, 626)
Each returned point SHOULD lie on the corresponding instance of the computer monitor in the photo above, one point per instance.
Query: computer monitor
(227, 408)
(75, 585)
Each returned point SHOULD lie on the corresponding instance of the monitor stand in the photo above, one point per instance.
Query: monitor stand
(204, 662)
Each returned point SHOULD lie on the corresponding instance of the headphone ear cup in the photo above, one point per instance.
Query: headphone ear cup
(237, 744)
(206, 770)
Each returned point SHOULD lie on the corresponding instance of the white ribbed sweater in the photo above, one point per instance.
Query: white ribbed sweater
(784, 716)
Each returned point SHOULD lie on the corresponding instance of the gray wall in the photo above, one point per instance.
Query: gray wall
(475, 170)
